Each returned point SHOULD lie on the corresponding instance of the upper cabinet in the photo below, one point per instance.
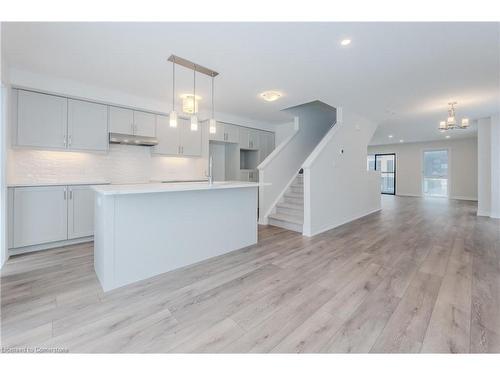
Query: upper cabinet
(179, 141)
(87, 125)
(225, 133)
(41, 120)
(248, 139)
(54, 122)
(144, 124)
(121, 120)
(128, 121)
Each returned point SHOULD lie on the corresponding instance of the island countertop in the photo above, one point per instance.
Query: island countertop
(166, 187)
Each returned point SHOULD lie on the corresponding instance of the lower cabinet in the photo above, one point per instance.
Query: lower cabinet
(40, 215)
(249, 175)
(80, 211)
(44, 214)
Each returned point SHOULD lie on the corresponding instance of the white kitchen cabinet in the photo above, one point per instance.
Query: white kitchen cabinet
(87, 125)
(168, 138)
(41, 120)
(225, 133)
(179, 141)
(248, 139)
(249, 175)
(219, 134)
(189, 140)
(121, 120)
(144, 124)
(39, 215)
(232, 133)
(80, 200)
(128, 121)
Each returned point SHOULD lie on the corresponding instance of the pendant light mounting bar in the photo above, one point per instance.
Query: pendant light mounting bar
(193, 66)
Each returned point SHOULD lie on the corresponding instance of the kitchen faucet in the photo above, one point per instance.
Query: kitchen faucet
(210, 172)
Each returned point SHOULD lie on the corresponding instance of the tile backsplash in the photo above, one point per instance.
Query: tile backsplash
(122, 164)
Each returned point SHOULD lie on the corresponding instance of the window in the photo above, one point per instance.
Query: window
(435, 173)
(386, 164)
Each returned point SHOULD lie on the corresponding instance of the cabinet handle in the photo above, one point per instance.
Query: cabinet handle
(69, 140)
(64, 140)
(65, 194)
(70, 194)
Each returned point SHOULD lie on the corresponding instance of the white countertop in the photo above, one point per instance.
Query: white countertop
(65, 183)
(166, 187)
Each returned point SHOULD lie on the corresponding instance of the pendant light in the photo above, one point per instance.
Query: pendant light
(212, 125)
(194, 118)
(173, 114)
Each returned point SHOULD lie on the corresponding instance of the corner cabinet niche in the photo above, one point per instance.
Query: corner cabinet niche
(179, 141)
(237, 151)
(55, 122)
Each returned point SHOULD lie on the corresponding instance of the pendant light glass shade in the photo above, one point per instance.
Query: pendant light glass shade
(173, 119)
(212, 126)
(442, 125)
(465, 122)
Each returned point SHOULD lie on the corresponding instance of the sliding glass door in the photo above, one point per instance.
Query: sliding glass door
(435, 173)
(386, 164)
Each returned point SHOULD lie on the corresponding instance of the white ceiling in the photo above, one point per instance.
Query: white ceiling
(399, 74)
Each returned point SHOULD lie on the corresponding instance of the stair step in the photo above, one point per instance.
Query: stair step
(293, 200)
(293, 194)
(290, 211)
(277, 221)
(290, 218)
(291, 205)
(297, 189)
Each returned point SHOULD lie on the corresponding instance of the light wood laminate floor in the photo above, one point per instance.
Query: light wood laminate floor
(419, 276)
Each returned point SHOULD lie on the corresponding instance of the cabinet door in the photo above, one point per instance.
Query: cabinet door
(40, 215)
(190, 140)
(253, 139)
(80, 211)
(244, 175)
(121, 120)
(232, 133)
(244, 137)
(253, 176)
(87, 125)
(144, 124)
(41, 120)
(168, 138)
(219, 134)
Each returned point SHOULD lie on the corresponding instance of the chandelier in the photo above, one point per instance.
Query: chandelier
(452, 121)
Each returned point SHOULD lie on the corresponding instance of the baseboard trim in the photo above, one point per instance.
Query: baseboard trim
(329, 227)
(49, 245)
(461, 198)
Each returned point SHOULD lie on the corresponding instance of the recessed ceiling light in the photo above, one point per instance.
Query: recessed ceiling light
(447, 137)
(390, 136)
(271, 96)
(345, 42)
(401, 141)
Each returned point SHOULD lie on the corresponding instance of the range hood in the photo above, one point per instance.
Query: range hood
(133, 140)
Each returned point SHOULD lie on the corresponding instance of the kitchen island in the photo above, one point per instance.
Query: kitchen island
(143, 230)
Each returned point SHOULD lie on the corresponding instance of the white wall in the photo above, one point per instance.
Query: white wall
(495, 166)
(484, 166)
(122, 163)
(283, 131)
(337, 186)
(462, 166)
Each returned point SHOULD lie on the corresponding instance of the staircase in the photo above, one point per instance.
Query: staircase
(289, 212)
